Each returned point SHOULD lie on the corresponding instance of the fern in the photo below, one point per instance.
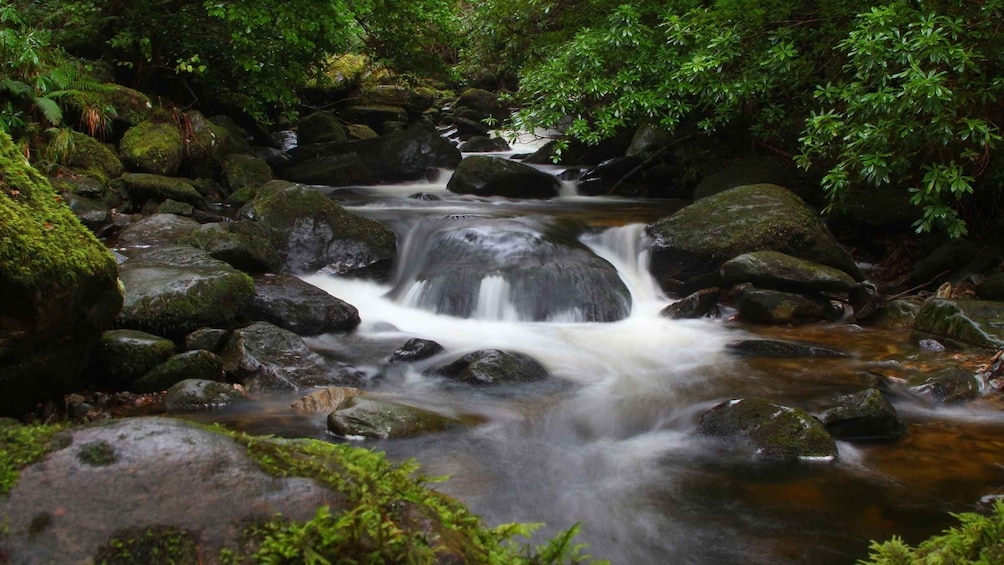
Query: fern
(50, 110)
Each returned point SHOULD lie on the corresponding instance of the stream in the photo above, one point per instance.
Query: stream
(610, 440)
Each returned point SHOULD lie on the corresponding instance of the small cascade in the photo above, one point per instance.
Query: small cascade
(627, 249)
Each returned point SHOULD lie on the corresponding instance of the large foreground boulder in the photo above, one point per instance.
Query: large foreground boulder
(483, 175)
(690, 246)
(770, 431)
(58, 284)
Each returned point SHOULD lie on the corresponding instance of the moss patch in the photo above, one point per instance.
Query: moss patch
(21, 446)
(97, 454)
(153, 546)
(153, 148)
(977, 539)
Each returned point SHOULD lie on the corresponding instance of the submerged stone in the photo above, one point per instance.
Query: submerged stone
(324, 400)
(769, 348)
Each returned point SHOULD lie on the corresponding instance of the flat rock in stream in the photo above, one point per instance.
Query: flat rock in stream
(775, 349)
(378, 419)
(770, 431)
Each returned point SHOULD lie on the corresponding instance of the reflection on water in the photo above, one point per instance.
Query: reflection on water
(610, 440)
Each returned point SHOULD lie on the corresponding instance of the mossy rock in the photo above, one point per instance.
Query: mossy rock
(319, 127)
(143, 187)
(864, 417)
(125, 355)
(239, 171)
(210, 339)
(375, 115)
(201, 394)
(770, 431)
(331, 170)
(153, 147)
(962, 323)
(486, 103)
(771, 269)
(172, 291)
(896, 314)
(378, 419)
(950, 386)
(153, 544)
(940, 264)
(197, 364)
(360, 131)
(494, 176)
(131, 106)
(91, 158)
(59, 288)
(690, 246)
(484, 144)
(243, 244)
(158, 229)
(774, 349)
(777, 307)
(493, 367)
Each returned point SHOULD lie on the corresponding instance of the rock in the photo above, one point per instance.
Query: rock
(578, 153)
(494, 176)
(375, 115)
(361, 131)
(601, 179)
(745, 171)
(152, 147)
(379, 419)
(172, 291)
(244, 245)
(696, 305)
(345, 169)
(59, 288)
(492, 367)
(931, 345)
(774, 270)
(126, 355)
(896, 314)
(416, 349)
(500, 268)
(940, 264)
(175, 207)
(962, 323)
(94, 214)
(312, 232)
(769, 348)
(159, 229)
(141, 187)
(299, 307)
(865, 416)
(319, 127)
(198, 365)
(324, 400)
(266, 357)
(950, 386)
(207, 145)
(690, 246)
(91, 158)
(485, 103)
(991, 288)
(131, 106)
(240, 171)
(210, 339)
(771, 431)
(484, 144)
(402, 155)
(470, 128)
(648, 138)
(776, 307)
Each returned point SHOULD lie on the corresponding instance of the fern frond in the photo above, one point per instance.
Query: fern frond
(50, 110)
(16, 88)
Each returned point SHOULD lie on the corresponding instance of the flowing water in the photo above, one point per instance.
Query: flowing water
(610, 440)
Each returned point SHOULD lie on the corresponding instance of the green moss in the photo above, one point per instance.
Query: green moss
(91, 158)
(21, 446)
(153, 147)
(978, 539)
(143, 186)
(159, 545)
(963, 323)
(97, 454)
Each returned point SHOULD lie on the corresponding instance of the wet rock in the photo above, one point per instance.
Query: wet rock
(345, 169)
(94, 214)
(174, 207)
(312, 232)
(244, 245)
(494, 176)
(198, 364)
(690, 246)
(776, 307)
(152, 147)
(774, 349)
(931, 345)
(601, 179)
(210, 339)
(896, 314)
(696, 305)
(865, 416)
(484, 144)
(90, 158)
(207, 144)
(375, 116)
(485, 103)
(324, 400)
(158, 229)
(991, 288)
(771, 269)
(962, 323)
(142, 187)
(300, 307)
(468, 128)
(379, 419)
(241, 171)
(492, 367)
(950, 386)
(938, 265)
(125, 355)
(416, 349)
(266, 357)
(771, 431)
(172, 291)
(319, 127)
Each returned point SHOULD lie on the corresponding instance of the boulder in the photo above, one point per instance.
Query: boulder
(206, 145)
(174, 207)
(240, 171)
(375, 116)
(197, 364)
(492, 367)
(91, 158)
(949, 386)
(498, 268)
(696, 305)
(962, 323)
(770, 431)
(940, 264)
(896, 314)
(991, 288)
(774, 349)
(345, 169)
(152, 147)
(266, 357)
(172, 291)
(324, 400)
(469, 128)
(312, 232)
(771, 269)
(142, 187)
(495, 176)
(210, 339)
(648, 138)
(776, 307)
(416, 349)
(126, 355)
(690, 246)
(319, 127)
(484, 144)
(485, 103)
(378, 419)
(865, 416)
(245, 245)
(361, 131)
(59, 288)
(299, 306)
(94, 214)
(601, 179)
(745, 171)
(158, 229)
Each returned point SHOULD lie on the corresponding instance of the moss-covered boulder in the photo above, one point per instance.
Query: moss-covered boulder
(299, 306)
(126, 355)
(152, 147)
(898, 314)
(319, 127)
(482, 175)
(331, 170)
(245, 245)
(375, 116)
(59, 288)
(91, 158)
(777, 307)
(492, 367)
(210, 339)
(172, 291)
(484, 102)
(771, 269)
(866, 416)
(360, 131)
(689, 247)
(962, 323)
(266, 357)
(484, 144)
(131, 106)
(312, 232)
(378, 419)
(158, 229)
(770, 431)
(143, 187)
(197, 364)
(240, 171)
(207, 145)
